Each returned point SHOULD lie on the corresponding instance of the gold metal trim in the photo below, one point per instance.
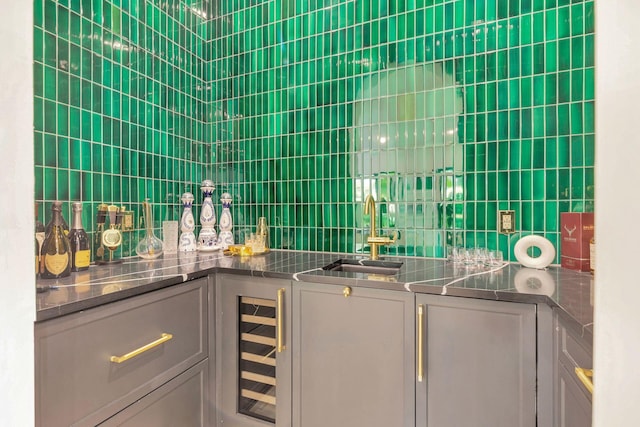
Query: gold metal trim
(346, 291)
(420, 343)
(585, 375)
(163, 338)
(279, 321)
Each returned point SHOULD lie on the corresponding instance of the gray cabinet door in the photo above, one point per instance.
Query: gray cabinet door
(353, 357)
(479, 361)
(573, 405)
(180, 402)
(254, 378)
(573, 399)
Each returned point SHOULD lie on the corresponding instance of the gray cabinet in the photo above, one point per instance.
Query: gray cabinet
(253, 350)
(353, 357)
(572, 398)
(476, 363)
(180, 402)
(91, 365)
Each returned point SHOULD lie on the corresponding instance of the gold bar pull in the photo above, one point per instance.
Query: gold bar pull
(420, 342)
(346, 291)
(585, 375)
(279, 322)
(163, 338)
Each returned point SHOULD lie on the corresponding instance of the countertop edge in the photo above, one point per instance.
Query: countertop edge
(564, 291)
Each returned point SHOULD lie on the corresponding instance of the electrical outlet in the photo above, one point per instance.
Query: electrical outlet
(506, 222)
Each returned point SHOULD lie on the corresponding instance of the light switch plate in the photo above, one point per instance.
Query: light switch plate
(506, 222)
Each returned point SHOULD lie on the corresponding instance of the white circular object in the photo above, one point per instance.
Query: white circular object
(530, 281)
(547, 251)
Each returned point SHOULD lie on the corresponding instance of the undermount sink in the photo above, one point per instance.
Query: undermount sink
(364, 266)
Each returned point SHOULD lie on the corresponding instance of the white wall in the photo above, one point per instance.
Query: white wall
(617, 316)
(17, 285)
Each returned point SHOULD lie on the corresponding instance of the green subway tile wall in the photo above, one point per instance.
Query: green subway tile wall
(121, 104)
(445, 110)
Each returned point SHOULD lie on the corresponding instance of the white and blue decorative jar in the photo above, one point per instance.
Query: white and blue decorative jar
(187, 225)
(208, 238)
(226, 223)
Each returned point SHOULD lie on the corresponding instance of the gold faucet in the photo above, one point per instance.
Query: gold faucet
(373, 240)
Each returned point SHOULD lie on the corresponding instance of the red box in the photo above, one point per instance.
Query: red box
(576, 232)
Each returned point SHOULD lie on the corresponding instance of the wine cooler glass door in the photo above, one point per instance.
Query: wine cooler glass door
(257, 358)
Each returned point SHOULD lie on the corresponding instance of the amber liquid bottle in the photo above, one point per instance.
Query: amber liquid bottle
(56, 252)
(80, 251)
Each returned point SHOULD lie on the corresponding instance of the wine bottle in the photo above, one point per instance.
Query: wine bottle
(79, 241)
(65, 226)
(55, 254)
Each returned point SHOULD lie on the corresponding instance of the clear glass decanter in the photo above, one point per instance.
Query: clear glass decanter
(150, 247)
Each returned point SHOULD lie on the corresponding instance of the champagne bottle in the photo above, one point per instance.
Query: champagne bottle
(56, 254)
(79, 241)
(65, 226)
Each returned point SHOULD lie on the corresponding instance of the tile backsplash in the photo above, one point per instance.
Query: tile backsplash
(446, 111)
(120, 105)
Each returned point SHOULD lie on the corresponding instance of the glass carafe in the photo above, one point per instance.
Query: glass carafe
(150, 246)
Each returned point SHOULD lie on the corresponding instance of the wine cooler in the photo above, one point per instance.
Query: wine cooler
(255, 368)
(257, 364)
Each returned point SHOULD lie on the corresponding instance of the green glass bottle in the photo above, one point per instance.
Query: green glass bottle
(56, 252)
(80, 251)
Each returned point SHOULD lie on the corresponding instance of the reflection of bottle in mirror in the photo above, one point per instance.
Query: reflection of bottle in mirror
(80, 252)
(55, 254)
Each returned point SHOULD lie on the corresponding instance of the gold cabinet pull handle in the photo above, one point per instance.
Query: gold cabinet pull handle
(279, 322)
(163, 338)
(420, 342)
(585, 375)
(346, 291)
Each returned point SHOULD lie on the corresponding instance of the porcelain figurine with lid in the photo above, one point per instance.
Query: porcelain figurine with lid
(187, 225)
(226, 223)
(208, 238)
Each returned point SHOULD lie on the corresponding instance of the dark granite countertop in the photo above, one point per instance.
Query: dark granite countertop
(571, 293)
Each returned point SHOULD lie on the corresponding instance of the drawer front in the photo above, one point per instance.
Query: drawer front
(573, 350)
(181, 402)
(77, 383)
